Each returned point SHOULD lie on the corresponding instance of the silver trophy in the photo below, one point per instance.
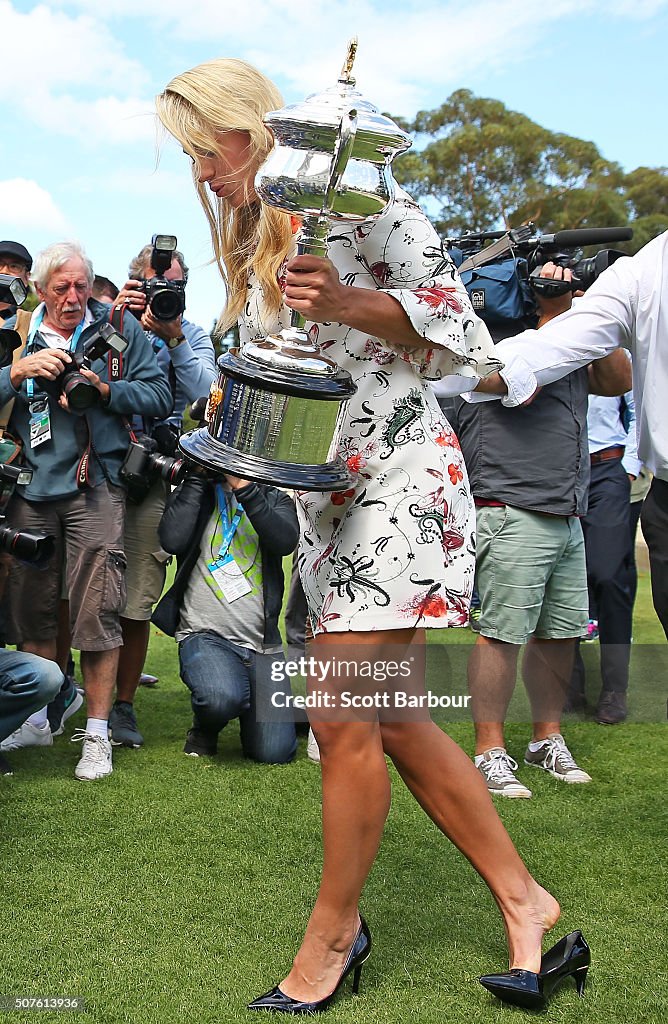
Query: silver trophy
(272, 414)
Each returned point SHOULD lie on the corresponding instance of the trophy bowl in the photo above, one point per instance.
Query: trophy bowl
(273, 413)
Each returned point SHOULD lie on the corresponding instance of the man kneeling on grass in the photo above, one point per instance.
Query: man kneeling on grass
(230, 537)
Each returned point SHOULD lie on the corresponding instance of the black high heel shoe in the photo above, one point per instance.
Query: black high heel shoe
(277, 1002)
(569, 958)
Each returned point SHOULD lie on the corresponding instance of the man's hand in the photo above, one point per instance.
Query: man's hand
(548, 308)
(131, 297)
(47, 362)
(92, 378)
(165, 329)
(313, 288)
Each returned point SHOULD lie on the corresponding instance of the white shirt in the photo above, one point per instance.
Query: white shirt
(627, 306)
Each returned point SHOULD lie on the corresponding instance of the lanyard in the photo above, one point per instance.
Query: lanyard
(228, 527)
(30, 385)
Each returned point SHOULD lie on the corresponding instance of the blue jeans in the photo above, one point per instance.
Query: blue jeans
(227, 681)
(27, 683)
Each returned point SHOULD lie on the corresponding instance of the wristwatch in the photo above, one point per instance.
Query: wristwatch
(173, 342)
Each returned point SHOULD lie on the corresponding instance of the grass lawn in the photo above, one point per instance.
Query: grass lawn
(178, 888)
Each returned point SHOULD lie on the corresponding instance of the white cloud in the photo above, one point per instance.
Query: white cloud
(406, 48)
(25, 205)
(70, 75)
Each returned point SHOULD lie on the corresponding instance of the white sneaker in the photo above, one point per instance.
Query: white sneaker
(498, 770)
(28, 735)
(312, 748)
(553, 756)
(95, 760)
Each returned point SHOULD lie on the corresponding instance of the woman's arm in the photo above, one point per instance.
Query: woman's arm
(314, 289)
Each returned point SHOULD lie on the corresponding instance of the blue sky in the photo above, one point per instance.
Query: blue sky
(78, 140)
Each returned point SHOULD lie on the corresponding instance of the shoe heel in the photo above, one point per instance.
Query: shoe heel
(356, 979)
(580, 977)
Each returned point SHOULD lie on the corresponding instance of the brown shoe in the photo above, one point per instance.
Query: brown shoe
(611, 708)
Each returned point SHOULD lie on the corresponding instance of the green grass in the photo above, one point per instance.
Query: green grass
(177, 889)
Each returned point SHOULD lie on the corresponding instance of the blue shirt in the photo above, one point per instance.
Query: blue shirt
(611, 422)
(194, 362)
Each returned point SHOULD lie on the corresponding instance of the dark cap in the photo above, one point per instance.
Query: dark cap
(18, 250)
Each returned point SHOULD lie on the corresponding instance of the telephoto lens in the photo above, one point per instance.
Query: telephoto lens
(35, 548)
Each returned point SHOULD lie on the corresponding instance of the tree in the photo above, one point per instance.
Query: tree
(488, 167)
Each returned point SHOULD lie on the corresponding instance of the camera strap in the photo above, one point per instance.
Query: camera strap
(115, 359)
(114, 373)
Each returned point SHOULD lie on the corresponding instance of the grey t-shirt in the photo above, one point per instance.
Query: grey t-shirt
(205, 606)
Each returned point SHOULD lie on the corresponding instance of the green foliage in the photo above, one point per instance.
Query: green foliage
(485, 167)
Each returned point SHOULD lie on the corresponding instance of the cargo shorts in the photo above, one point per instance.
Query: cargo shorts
(88, 532)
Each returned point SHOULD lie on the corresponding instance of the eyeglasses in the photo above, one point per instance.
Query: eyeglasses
(12, 266)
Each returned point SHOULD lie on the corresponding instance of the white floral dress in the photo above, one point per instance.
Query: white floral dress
(397, 549)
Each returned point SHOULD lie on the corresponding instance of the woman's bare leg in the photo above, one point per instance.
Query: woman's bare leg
(355, 803)
(451, 790)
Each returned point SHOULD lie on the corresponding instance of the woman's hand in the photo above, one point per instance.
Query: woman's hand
(313, 288)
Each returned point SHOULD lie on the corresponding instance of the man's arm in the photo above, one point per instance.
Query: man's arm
(611, 376)
(194, 361)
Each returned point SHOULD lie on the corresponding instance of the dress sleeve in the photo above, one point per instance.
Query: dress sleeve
(402, 254)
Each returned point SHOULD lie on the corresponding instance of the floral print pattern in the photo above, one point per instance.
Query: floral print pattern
(397, 549)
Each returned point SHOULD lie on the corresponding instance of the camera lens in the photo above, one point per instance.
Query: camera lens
(80, 393)
(36, 548)
(171, 470)
(166, 304)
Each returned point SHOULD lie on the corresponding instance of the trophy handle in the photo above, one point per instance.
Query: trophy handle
(314, 230)
(343, 148)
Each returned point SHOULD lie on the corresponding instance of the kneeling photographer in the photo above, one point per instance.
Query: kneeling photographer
(73, 387)
(155, 294)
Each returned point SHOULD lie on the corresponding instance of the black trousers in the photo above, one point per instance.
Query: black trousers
(608, 550)
(654, 521)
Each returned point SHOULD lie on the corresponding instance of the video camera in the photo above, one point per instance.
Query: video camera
(503, 277)
(166, 299)
(36, 548)
(80, 393)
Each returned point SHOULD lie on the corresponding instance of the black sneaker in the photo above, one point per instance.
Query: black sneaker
(5, 766)
(200, 744)
(611, 708)
(123, 730)
(66, 703)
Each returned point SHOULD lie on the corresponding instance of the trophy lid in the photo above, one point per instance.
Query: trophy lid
(314, 122)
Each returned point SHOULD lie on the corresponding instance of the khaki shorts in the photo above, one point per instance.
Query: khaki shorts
(147, 562)
(531, 575)
(88, 532)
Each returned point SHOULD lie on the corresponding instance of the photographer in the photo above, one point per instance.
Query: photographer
(529, 473)
(230, 537)
(627, 306)
(16, 261)
(70, 416)
(186, 358)
(27, 683)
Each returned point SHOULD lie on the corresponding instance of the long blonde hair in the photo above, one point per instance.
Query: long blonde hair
(219, 96)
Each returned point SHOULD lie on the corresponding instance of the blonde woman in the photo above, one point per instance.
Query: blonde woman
(395, 553)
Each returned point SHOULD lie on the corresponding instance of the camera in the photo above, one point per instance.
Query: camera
(165, 299)
(80, 393)
(35, 548)
(143, 464)
(12, 290)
